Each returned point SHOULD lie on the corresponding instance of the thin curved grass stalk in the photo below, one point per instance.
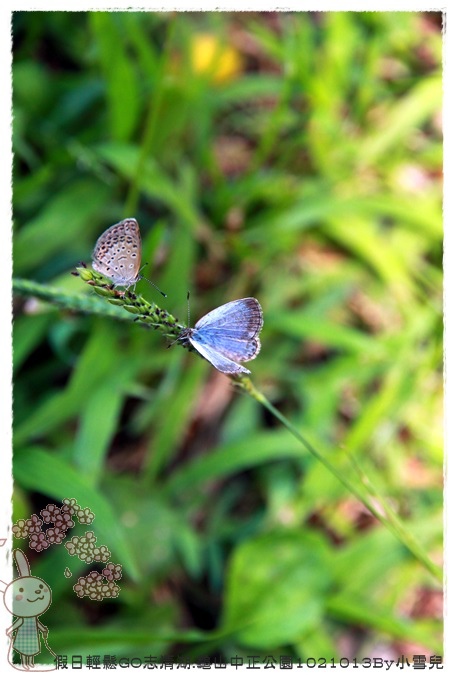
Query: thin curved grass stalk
(394, 521)
(387, 518)
(159, 319)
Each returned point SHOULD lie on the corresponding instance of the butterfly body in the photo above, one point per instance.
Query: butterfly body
(227, 335)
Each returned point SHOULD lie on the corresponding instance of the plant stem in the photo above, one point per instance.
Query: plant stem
(392, 522)
(144, 311)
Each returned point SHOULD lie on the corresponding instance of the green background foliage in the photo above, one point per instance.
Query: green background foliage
(295, 157)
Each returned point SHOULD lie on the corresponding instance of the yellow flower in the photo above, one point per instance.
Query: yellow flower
(209, 56)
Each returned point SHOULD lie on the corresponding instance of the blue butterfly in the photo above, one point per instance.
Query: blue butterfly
(228, 334)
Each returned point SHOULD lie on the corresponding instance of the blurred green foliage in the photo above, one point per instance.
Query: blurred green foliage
(293, 157)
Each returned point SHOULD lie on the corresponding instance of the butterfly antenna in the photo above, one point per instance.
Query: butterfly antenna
(188, 301)
(154, 286)
(185, 330)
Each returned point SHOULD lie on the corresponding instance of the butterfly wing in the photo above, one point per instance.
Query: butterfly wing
(229, 334)
(117, 252)
(232, 329)
(216, 357)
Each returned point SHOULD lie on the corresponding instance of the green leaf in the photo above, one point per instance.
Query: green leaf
(403, 118)
(93, 368)
(251, 451)
(362, 611)
(68, 217)
(276, 587)
(301, 326)
(123, 100)
(28, 332)
(47, 473)
(99, 421)
(125, 159)
(365, 240)
(173, 406)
